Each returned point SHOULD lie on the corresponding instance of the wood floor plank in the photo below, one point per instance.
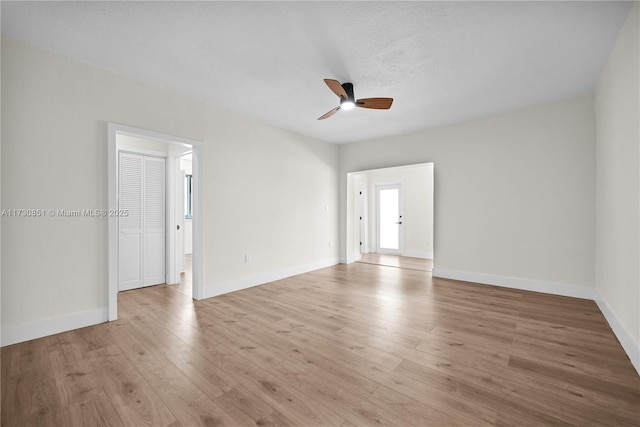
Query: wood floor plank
(291, 404)
(409, 410)
(99, 411)
(624, 392)
(579, 362)
(249, 409)
(349, 345)
(457, 349)
(568, 404)
(327, 331)
(185, 400)
(137, 402)
(31, 399)
(426, 394)
(347, 398)
(280, 347)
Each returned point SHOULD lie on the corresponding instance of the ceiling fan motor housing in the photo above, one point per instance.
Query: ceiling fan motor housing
(348, 87)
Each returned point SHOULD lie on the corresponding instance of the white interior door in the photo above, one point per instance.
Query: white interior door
(389, 219)
(154, 257)
(141, 244)
(130, 226)
(180, 210)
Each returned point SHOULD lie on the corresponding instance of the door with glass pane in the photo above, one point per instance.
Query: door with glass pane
(389, 219)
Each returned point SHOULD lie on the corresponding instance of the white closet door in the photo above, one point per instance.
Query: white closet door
(141, 245)
(154, 221)
(130, 238)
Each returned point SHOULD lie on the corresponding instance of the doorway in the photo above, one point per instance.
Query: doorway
(389, 236)
(184, 228)
(409, 220)
(173, 148)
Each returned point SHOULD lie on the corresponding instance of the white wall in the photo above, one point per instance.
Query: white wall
(417, 187)
(617, 272)
(265, 189)
(514, 195)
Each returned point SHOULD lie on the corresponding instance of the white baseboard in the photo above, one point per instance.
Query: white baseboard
(629, 345)
(260, 279)
(416, 254)
(51, 326)
(350, 258)
(517, 283)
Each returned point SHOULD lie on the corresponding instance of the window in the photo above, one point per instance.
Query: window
(188, 196)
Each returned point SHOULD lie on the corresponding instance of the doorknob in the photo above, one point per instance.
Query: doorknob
(399, 222)
(178, 227)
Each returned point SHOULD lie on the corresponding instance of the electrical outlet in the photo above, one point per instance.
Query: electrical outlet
(247, 258)
(330, 244)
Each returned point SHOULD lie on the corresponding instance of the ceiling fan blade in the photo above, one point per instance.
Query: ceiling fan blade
(329, 114)
(377, 103)
(336, 87)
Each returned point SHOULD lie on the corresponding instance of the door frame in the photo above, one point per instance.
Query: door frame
(386, 186)
(113, 130)
(362, 208)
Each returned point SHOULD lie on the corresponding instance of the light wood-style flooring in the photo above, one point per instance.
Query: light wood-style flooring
(397, 261)
(349, 345)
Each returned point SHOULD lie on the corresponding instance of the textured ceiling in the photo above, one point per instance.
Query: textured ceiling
(443, 62)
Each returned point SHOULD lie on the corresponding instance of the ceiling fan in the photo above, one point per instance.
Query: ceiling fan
(348, 101)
